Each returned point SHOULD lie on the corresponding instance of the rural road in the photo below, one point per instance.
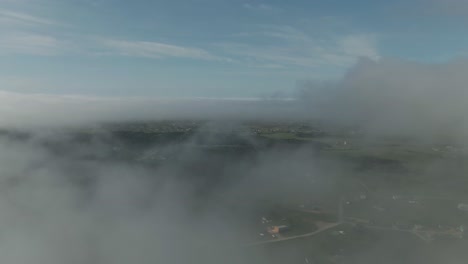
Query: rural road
(330, 226)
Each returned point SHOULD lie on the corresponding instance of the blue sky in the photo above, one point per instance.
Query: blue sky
(213, 48)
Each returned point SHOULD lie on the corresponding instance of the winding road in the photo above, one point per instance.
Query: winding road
(316, 232)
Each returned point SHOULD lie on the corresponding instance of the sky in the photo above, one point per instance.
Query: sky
(214, 48)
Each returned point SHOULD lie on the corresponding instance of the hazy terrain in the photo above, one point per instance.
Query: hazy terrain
(195, 191)
(370, 169)
(233, 132)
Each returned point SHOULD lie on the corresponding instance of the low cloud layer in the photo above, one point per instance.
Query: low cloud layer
(396, 98)
(33, 110)
(62, 208)
(385, 97)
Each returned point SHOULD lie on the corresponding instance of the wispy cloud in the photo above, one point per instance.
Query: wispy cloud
(12, 18)
(269, 66)
(29, 43)
(288, 46)
(27, 34)
(263, 7)
(155, 50)
(360, 45)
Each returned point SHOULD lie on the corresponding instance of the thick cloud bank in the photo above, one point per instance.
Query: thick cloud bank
(399, 98)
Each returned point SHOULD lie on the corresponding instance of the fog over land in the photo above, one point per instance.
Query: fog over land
(386, 97)
(64, 200)
(61, 206)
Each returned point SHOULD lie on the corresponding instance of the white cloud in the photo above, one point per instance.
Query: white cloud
(360, 46)
(29, 43)
(23, 33)
(287, 46)
(398, 98)
(155, 50)
(13, 18)
(270, 66)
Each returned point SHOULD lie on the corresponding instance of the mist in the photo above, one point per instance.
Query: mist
(68, 201)
(388, 97)
(27, 110)
(399, 98)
